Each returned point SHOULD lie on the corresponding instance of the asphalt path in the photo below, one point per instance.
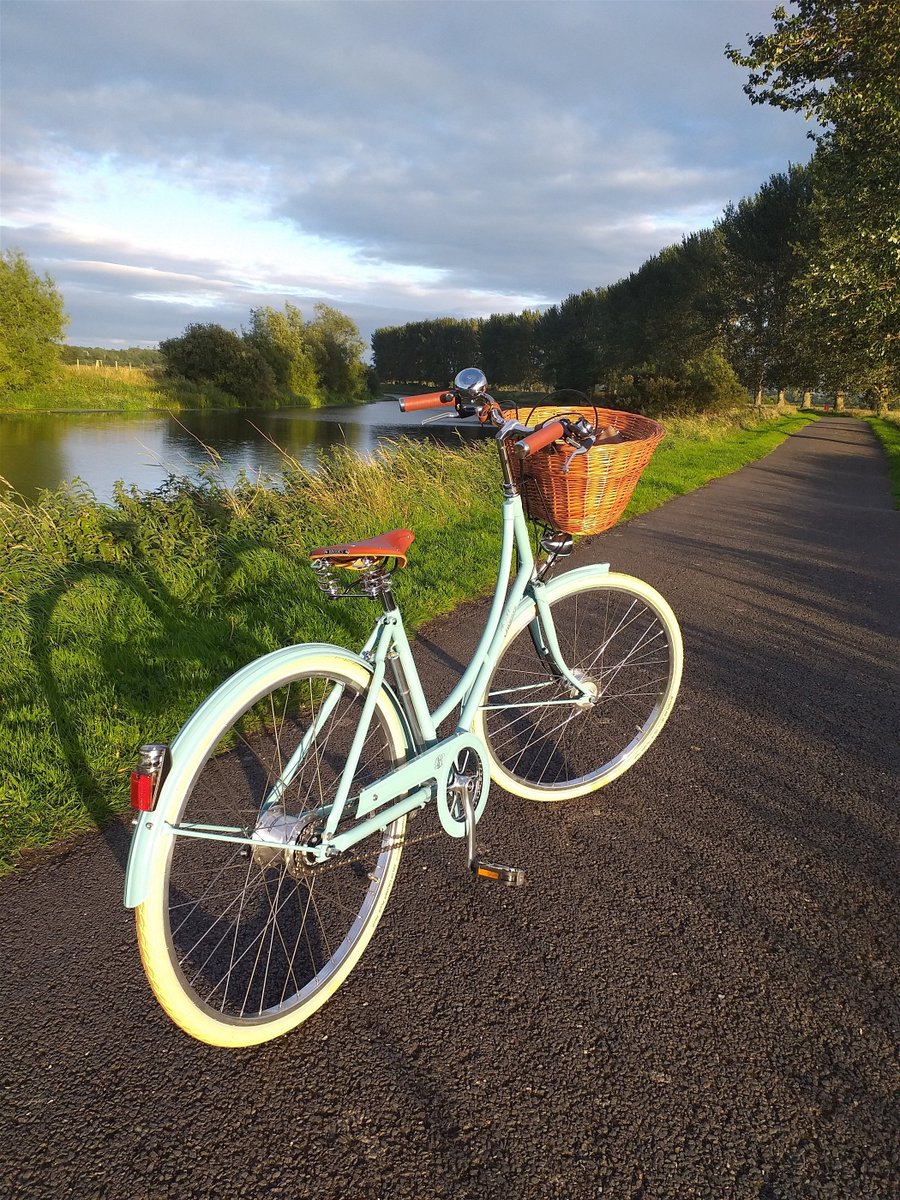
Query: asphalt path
(695, 996)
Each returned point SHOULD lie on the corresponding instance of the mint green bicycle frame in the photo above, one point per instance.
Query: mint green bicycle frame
(425, 773)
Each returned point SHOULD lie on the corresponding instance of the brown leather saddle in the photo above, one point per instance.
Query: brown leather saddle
(362, 556)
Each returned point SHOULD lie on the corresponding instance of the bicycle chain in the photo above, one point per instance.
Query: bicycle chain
(400, 843)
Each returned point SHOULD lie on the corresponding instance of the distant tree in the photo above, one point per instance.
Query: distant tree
(447, 345)
(386, 353)
(336, 349)
(429, 352)
(284, 341)
(213, 354)
(509, 350)
(32, 321)
(669, 311)
(132, 356)
(571, 337)
(838, 62)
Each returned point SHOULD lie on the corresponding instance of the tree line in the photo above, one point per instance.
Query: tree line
(795, 287)
(132, 356)
(698, 325)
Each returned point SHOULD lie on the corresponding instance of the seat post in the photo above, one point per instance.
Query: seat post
(386, 595)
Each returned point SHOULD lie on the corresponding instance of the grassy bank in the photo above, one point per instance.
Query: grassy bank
(887, 430)
(124, 389)
(107, 389)
(115, 621)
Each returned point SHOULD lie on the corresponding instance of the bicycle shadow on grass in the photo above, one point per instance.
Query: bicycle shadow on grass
(177, 652)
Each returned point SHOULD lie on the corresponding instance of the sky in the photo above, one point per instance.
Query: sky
(178, 161)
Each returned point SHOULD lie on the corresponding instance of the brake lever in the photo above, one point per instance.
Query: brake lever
(582, 449)
(459, 409)
(585, 442)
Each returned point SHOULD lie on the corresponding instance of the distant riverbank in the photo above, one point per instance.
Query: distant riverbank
(130, 389)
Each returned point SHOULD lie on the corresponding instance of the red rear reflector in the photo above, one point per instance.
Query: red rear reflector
(142, 791)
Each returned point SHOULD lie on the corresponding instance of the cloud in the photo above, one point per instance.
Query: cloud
(427, 156)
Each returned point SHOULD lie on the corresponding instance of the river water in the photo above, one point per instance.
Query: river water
(41, 450)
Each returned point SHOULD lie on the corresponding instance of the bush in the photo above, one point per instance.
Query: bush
(212, 354)
(699, 385)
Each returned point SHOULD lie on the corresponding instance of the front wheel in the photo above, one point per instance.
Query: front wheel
(240, 943)
(620, 639)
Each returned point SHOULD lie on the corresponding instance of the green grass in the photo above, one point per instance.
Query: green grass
(105, 389)
(116, 620)
(129, 389)
(887, 430)
(698, 449)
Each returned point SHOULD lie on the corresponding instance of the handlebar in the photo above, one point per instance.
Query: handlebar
(545, 436)
(469, 401)
(428, 400)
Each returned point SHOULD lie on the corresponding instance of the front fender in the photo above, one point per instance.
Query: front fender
(190, 746)
(561, 583)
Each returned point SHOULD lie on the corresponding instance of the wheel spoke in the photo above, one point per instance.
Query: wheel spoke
(614, 638)
(253, 932)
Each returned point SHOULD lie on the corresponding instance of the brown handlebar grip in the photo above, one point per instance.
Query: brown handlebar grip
(540, 438)
(428, 400)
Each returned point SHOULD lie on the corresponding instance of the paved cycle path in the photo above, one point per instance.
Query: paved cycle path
(696, 995)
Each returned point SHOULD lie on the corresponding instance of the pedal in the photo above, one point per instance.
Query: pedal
(497, 873)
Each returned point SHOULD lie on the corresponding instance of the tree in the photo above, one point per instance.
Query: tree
(670, 310)
(336, 349)
(213, 354)
(571, 339)
(762, 236)
(432, 351)
(32, 322)
(838, 62)
(283, 339)
(452, 344)
(509, 349)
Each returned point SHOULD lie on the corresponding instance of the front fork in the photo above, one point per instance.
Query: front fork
(546, 644)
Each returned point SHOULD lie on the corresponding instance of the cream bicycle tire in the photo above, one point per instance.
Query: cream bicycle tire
(168, 971)
(534, 738)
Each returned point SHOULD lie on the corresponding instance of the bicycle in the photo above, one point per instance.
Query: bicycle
(270, 831)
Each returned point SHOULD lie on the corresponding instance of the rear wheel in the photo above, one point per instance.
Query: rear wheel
(241, 943)
(620, 638)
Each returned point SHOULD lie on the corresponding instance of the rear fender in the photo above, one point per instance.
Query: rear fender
(188, 749)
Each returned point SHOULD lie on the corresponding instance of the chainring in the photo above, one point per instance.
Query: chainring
(470, 770)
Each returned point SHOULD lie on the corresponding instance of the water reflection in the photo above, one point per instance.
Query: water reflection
(40, 450)
(31, 451)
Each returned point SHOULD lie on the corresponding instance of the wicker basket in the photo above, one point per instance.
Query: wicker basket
(594, 492)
